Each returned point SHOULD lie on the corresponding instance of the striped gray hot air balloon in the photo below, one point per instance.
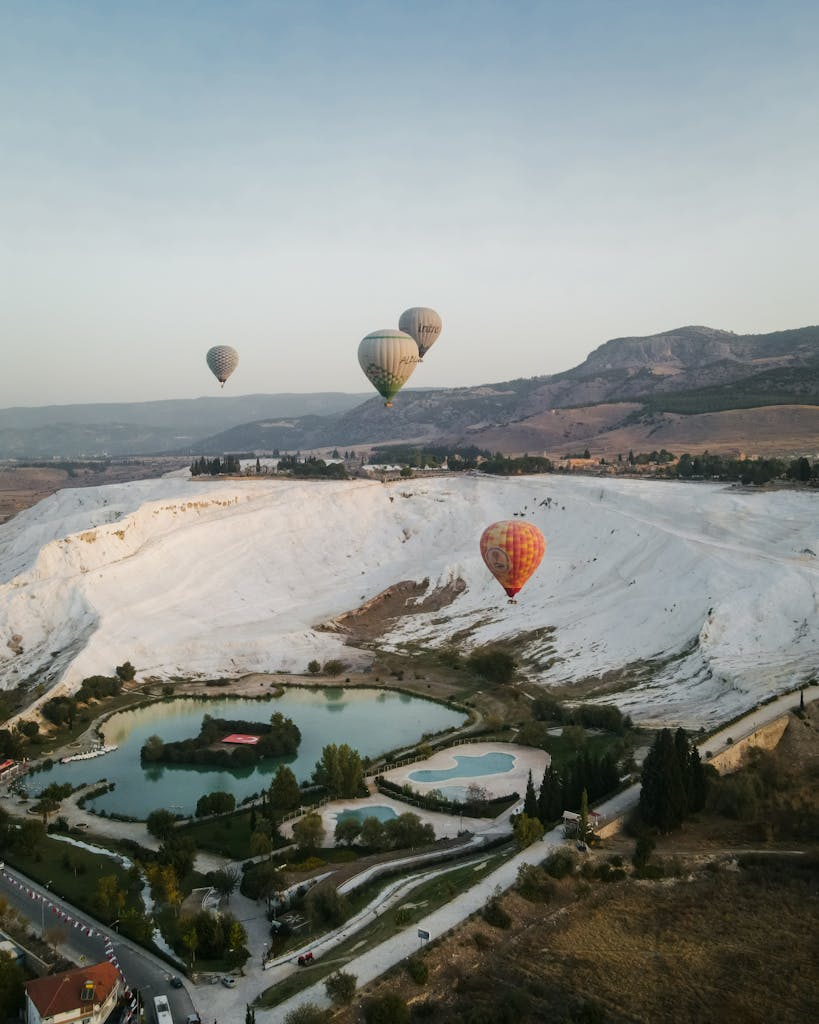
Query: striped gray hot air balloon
(388, 358)
(423, 324)
(222, 360)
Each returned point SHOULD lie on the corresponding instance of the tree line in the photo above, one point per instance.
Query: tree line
(278, 738)
(675, 781)
(746, 471)
(229, 465)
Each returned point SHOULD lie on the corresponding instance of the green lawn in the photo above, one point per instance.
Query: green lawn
(562, 750)
(72, 872)
(228, 836)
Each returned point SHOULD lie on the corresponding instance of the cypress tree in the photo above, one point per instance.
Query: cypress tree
(530, 801)
(663, 793)
(550, 800)
(697, 783)
(683, 752)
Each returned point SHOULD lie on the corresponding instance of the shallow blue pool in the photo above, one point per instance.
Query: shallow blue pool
(467, 766)
(360, 813)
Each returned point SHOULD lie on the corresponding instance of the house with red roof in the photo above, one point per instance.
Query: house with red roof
(86, 996)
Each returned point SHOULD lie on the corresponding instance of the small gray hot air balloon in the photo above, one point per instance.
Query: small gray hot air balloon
(222, 360)
(388, 358)
(423, 324)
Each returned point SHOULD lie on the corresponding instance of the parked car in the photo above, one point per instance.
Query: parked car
(193, 1018)
(229, 982)
(176, 982)
(305, 959)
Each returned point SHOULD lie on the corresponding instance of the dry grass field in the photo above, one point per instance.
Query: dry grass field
(725, 934)
(724, 945)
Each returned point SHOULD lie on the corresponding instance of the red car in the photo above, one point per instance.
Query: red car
(305, 959)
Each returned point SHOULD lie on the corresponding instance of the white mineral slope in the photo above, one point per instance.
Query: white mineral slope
(715, 585)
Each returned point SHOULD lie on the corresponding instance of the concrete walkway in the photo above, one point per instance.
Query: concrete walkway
(375, 962)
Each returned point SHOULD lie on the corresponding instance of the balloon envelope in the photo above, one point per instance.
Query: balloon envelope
(423, 324)
(388, 358)
(222, 360)
(512, 551)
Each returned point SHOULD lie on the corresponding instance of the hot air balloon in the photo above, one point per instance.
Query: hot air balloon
(388, 358)
(512, 551)
(423, 324)
(222, 360)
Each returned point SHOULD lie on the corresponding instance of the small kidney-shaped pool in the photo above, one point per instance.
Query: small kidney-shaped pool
(467, 766)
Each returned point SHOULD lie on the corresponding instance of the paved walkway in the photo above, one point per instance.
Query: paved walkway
(375, 962)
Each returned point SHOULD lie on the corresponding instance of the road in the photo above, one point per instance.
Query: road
(142, 970)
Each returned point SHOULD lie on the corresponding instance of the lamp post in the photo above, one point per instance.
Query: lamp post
(42, 910)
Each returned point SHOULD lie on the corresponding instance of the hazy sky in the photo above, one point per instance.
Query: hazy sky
(285, 177)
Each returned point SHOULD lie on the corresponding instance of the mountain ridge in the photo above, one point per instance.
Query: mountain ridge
(633, 382)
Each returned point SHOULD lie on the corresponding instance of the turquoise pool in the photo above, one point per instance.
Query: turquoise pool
(467, 766)
(360, 813)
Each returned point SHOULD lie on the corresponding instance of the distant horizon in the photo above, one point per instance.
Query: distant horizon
(410, 387)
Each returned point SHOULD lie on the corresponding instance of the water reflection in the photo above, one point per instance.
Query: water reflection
(364, 718)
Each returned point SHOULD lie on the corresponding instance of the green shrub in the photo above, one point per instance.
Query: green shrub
(560, 863)
(307, 1013)
(417, 970)
(387, 1009)
(334, 667)
(308, 864)
(494, 914)
(340, 987)
(492, 663)
(534, 884)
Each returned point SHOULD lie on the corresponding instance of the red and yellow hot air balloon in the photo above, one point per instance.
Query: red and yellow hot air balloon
(512, 551)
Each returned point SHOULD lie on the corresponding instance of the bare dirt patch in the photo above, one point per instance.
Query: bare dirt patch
(373, 619)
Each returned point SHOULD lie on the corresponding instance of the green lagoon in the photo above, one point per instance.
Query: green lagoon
(370, 720)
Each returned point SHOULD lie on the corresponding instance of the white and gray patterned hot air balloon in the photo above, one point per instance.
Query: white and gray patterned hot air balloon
(222, 360)
(388, 358)
(423, 324)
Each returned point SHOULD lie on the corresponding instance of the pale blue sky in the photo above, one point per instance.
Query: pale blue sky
(286, 177)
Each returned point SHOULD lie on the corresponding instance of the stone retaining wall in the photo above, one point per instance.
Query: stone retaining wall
(767, 737)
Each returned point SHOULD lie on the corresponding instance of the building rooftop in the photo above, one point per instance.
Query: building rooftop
(61, 993)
